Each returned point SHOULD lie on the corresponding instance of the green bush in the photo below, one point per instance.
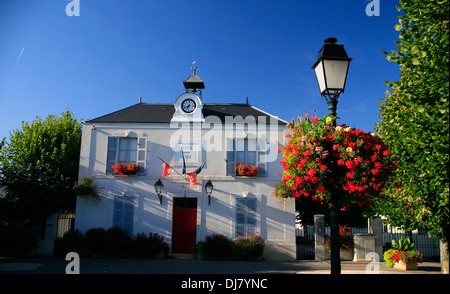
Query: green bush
(94, 241)
(114, 242)
(217, 246)
(118, 242)
(149, 246)
(71, 241)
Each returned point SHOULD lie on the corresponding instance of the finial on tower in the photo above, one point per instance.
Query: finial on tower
(194, 68)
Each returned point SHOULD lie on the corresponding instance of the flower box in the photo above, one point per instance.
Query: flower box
(344, 255)
(246, 170)
(86, 189)
(403, 259)
(405, 266)
(127, 169)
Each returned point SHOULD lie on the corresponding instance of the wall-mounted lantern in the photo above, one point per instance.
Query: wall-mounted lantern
(159, 187)
(209, 188)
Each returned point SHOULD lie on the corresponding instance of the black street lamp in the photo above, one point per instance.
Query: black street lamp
(159, 187)
(209, 188)
(331, 70)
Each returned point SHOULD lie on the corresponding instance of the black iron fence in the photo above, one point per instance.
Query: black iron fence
(428, 246)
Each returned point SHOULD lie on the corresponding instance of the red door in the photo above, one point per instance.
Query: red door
(184, 225)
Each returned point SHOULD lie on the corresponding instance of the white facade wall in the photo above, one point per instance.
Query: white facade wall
(275, 217)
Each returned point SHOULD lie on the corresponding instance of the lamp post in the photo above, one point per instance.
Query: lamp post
(209, 188)
(159, 187)
(331, 70)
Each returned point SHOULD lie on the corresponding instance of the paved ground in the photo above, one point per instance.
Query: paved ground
(53, 265)
(26, 275)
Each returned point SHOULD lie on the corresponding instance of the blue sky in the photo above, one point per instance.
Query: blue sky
(117, 50)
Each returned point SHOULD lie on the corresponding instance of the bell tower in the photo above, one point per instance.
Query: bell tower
(194, 83)
(189, 106)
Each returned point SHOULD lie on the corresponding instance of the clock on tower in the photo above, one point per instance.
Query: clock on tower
(188, 106)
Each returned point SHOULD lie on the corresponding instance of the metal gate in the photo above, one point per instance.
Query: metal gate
(428, 246)
(66, 222)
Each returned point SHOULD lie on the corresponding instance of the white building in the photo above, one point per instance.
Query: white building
(220, 135)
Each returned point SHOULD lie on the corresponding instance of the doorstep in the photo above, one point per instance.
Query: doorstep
(183, 256)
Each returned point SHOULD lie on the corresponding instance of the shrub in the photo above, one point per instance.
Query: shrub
(117, 242)
(17, 240)
(94, 240)
(149, 246)
(71, 241)
(114, 242)
(249, 248)
(217, 246)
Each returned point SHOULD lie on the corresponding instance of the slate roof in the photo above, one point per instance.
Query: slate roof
(163, 113)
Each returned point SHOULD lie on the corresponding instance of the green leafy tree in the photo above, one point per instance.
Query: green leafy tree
(415, 120)
(38, 169)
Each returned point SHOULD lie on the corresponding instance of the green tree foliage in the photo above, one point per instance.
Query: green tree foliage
(38, 169)
(415, 120)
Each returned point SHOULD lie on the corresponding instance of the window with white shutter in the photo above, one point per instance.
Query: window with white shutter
(126, 150)
(250, 151)
(142, 155)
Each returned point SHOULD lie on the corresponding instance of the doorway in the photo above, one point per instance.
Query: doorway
(184, 225)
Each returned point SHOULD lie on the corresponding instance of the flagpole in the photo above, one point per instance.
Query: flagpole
(171, 167)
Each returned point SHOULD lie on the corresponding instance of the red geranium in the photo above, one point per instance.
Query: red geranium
(345, 240)
(319, 157)
(126, 169)
(246, 170)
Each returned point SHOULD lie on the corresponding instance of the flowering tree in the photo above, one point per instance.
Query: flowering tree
(320, 158)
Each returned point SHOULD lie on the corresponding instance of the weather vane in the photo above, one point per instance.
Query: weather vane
(194, 68)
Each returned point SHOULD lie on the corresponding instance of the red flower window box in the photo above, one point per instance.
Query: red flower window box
(127, 169)
(246, 170)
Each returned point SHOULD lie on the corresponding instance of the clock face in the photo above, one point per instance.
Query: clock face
(188, 105)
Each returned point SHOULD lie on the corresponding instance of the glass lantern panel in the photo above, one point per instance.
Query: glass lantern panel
(320, 77)
(335, 73)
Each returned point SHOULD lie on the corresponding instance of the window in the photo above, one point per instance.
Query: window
(123, 214)
(247, 151)
(245, 217)
(126, 150)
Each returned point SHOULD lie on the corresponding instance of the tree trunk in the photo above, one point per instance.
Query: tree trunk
(444, 257)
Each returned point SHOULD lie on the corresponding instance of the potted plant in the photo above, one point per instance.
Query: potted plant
(85, 188)
(401, 256)
(246, 170)
(345, 241)
(404, 260)
(127, 169)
